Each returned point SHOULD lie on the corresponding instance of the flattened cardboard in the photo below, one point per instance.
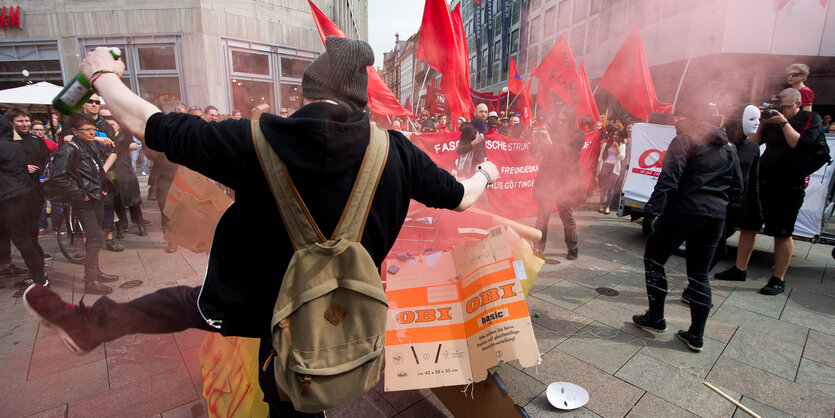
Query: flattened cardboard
(194, 205)
(453, 315)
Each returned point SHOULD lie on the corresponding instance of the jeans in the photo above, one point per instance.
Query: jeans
(702, 235)
(569, 226)
(90, 214)
(12, 213)
(174, 309)
(608, 180)
(54, 214)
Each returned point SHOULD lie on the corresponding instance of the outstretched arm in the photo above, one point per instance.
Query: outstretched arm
(130, 110)
(474, 186)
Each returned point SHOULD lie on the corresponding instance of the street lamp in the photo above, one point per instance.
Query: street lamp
(26, 77)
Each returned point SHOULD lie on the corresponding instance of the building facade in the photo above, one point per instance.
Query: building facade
(234, 55)
(710, 51)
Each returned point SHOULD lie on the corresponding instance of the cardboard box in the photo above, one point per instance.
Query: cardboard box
(194, 205)
(454, 314)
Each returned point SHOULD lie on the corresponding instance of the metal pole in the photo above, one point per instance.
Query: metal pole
(422, 86)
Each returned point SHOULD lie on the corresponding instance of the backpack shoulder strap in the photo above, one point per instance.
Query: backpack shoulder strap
(352, 222)
(297, 219)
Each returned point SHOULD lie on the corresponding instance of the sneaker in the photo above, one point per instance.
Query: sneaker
(693, 342)
(95, 287)
(42, 231)
(12, 271)
(732, 274)
(653, 325)
(47, 257)
(28, 281)
(70, 322)
(775, 286)
(572, 254)
(114, 246)
(21, 291)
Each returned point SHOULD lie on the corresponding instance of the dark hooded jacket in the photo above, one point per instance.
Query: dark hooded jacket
(700, 174)
(14, 177)
(322, 145)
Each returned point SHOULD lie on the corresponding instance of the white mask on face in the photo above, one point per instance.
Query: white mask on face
(750, 120)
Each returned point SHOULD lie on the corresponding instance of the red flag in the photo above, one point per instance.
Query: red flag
(442, 46)
(514, 78)
(408, 105)
(380, 98)
(629, 81)
(527, 105)
(558, 73)
(589, 106)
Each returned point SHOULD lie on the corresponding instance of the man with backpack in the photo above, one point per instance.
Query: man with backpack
(323, 146)
(790, 135)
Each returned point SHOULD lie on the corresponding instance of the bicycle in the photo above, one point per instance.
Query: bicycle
(71, 235)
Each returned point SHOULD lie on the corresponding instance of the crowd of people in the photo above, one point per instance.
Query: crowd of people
(102, 162)
(713, 180)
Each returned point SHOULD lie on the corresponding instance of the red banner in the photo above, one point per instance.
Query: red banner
(512, 195)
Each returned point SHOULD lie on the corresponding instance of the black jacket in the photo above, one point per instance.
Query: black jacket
(76, 167)
(700, 174)
(37, 154)
(14, 176)
(559, 178)
(323, 146)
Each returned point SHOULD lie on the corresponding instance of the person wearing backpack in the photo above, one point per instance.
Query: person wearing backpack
(323, 147)
(789, 136)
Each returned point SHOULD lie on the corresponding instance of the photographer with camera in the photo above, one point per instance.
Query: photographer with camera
(788, 133)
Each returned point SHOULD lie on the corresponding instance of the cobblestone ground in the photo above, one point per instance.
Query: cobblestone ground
(774, 354)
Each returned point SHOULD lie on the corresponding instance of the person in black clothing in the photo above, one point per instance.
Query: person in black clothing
(77, 168)
(787, 136)
(37, 154)
(322, 144)
(700, 174)
(558, 181)
(15, 189)
(472, 149)
(743, 211)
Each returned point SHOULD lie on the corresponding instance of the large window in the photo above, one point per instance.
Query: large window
(264, 74)
(153, 65)
(42, 59)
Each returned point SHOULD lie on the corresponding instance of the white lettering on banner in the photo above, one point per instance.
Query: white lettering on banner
(508, 146)
(520, 170)
(446, 147)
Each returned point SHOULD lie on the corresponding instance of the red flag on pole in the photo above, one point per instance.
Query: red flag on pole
(408, 105)
(589, 105)
(514, 78)
(442, 46)
(629, 81)
(527, 105)
(380, 98)
(557, 72)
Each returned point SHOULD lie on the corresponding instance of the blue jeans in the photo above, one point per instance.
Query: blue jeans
(55, 215)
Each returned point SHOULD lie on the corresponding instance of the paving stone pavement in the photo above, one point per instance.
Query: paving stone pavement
(774, 354)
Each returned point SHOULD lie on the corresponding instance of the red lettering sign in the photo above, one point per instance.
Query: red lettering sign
(10, 17)
(490, 296)
(423, 315)
(646, 162)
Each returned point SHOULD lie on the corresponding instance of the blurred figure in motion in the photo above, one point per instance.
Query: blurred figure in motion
(559, 181)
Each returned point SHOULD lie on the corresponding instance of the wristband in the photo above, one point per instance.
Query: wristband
(485, 175)
(98, 74)
(783, 123)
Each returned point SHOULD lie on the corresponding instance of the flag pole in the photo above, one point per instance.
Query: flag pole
(517, 95)
(422, 86)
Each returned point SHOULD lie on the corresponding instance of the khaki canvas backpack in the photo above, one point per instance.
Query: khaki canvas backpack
(329, 321)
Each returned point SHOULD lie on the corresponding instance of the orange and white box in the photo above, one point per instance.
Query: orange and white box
(453, 315)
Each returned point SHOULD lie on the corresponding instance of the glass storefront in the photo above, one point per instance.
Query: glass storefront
(154, 65)
(260, 73)
(41, 58)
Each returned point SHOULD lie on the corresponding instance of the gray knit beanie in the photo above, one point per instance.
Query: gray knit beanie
(340, 73)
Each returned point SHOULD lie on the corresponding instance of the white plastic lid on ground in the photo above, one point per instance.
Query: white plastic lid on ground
(564, 395)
